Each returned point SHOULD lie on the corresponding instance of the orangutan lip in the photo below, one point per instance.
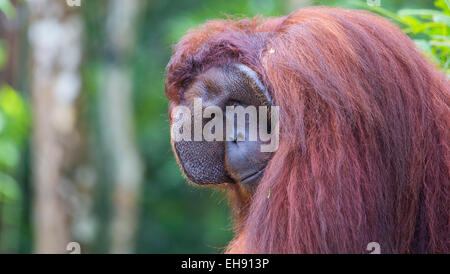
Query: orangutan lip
(252, 177)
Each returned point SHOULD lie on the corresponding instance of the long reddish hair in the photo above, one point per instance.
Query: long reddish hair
(364, 132)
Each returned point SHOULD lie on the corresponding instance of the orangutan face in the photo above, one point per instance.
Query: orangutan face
(221, 132)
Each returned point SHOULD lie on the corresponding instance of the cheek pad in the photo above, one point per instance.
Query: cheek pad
(244, 159)
(202, 162)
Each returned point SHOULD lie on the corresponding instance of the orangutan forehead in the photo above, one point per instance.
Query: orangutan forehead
(229, 79)
(188, 63)
(254, 79)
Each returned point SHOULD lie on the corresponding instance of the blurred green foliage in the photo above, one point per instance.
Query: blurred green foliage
(14, 122)
(430, 29)
(13, 127)
(7, 8)
(174, 217)
(2, 54)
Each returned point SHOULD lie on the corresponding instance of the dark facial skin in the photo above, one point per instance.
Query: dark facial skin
(219, 162)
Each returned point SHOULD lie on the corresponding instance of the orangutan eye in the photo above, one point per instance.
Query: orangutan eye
(236, 103)
(233, 103)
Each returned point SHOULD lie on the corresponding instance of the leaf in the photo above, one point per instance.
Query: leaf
(440, 44)
(9, 190)
(442, 18)
(428, 13)
(410, 21)
(16, 115)
(2, 54)
(446, 65)
(379, 10)
(2, 122)
(414, 24)
(431, 28)
(440, 37)
(443, 5)
(7, 8)
(9, 154)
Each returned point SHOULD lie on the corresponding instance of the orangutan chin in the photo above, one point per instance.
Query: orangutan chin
(363, 153)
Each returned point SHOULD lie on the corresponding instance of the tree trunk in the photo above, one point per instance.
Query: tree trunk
(117, 121)
(55, 37)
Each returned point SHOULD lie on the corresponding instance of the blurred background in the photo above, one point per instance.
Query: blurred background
(84, 136)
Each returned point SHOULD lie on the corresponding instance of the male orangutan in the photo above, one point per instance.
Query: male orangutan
(364, 118)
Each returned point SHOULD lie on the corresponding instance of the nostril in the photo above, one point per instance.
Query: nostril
(231, 136)
(240, 136)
